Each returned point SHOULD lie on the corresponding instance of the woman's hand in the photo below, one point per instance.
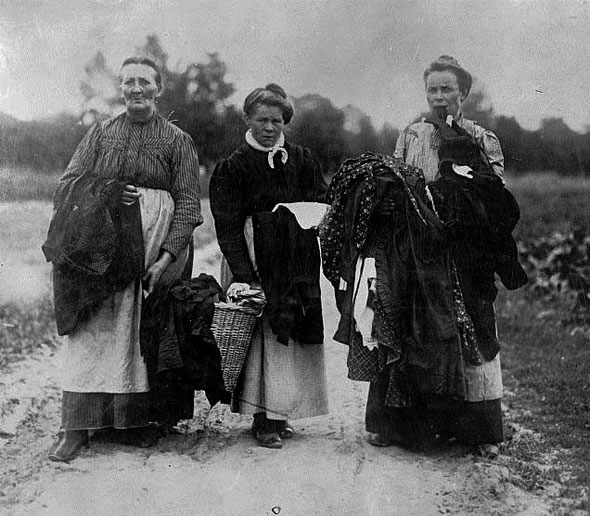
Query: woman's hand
(154, 273)
(130, 195)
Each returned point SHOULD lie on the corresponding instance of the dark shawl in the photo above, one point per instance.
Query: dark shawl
(96, 246)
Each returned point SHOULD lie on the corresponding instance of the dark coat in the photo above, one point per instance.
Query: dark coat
(244, 184)
(95, 244)
(288, 260)
(179, 349)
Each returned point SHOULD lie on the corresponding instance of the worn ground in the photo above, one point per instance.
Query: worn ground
(215, 467)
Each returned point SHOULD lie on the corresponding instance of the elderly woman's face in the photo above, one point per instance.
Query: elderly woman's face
(139, 88)
(266, 123)
(443, 94)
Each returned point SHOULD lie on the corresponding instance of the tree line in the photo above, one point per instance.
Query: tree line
(196, 98)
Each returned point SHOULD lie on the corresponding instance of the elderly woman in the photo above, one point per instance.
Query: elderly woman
(478, 419)
(283, 376)
(156, 165)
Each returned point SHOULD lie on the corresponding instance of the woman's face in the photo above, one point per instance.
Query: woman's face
(266, 123)
(139, 89)
(443, 94)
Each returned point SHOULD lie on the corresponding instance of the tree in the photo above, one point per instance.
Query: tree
(319, 125)
(100, 89)
(479, 108)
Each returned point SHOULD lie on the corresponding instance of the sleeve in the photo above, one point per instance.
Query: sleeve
(314, 185)
(186, 192)
(400, 146)
(82, 161)
(227, 206)
(490, 146)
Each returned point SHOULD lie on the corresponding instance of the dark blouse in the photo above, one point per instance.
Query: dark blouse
(245, 184)
(155, 154)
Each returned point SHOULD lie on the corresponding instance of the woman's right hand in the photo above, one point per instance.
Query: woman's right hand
(130, 195)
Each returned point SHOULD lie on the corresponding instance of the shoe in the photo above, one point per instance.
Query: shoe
(265, 433)
(487, 451)
(379, 440)
(284, 429)
(269, 440)
(68, 445)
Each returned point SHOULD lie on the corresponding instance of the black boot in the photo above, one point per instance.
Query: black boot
(68, 445)
(265, 432)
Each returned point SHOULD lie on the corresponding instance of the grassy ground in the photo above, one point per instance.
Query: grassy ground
(25, 184)
(546, 364)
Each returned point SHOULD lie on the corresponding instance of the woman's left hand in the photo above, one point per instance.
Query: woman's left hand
(130, 195)
(154, 273)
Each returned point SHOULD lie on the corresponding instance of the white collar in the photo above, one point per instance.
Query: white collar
(277, 147)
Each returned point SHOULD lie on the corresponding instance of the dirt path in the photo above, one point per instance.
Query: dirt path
(215, 468)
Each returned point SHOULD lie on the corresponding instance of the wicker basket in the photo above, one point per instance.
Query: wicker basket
(232, 328)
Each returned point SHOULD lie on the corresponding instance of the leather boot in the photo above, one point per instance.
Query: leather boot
(68, 445)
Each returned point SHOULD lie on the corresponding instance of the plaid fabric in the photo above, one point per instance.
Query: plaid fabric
(363, 363)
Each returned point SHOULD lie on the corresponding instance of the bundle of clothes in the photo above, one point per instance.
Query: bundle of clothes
(95, 244)
(415, 287)
(179, 348)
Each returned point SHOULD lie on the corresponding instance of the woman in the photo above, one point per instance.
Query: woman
(283, 377)
(105, 378)
(477, 420)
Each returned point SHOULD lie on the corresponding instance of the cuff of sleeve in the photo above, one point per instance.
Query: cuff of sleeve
(171, 251)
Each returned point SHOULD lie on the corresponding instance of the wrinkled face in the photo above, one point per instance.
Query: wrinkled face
(443, 94)
(139, 88)
(266, 123)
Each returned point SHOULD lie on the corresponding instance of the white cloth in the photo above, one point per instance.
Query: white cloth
(308, 214)
(277, 147)
(365, 276)
(286, 382)
(484, 382)
(103, 354)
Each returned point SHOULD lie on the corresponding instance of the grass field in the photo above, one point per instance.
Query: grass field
(546, 365)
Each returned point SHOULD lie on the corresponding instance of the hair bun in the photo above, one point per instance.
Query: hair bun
(275, 88)
(448, 60)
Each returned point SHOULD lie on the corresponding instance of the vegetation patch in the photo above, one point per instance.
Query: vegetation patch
(546, 341)
(25, 328)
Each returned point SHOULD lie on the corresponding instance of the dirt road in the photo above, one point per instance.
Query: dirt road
(215, 467)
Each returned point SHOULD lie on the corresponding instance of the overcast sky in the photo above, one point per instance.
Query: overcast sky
(532, 57)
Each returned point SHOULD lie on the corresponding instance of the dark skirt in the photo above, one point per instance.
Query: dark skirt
(95, 410)
(471, 423)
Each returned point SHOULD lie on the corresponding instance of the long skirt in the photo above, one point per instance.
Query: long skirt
(477, 420)
(285, 382)
(105, 380)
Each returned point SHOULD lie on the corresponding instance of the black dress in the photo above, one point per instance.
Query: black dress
(285, 381)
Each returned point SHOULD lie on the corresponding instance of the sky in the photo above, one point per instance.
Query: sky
(531, 57)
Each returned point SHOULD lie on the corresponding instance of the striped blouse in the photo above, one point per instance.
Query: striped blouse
(154, 154)
(418, 145)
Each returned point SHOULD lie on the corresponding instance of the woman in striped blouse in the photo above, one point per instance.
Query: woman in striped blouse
(105, 378)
